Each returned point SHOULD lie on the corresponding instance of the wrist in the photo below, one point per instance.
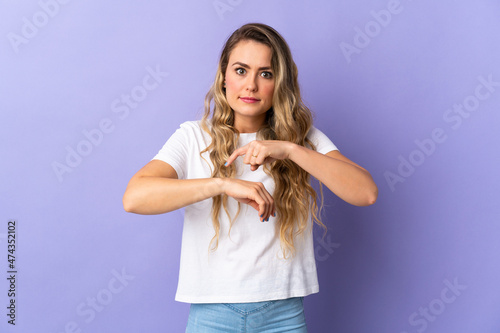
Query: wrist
(292, 150)
(221, 184)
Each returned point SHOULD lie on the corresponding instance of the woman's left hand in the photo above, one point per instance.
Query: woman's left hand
(258, 153)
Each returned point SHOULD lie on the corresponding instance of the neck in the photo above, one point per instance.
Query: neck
(250, 124)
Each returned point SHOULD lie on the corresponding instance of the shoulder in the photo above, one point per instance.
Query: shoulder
(195, 126)
(313, 132)
(193, 132)
(316, 134)
(320, 140)
(191, 127)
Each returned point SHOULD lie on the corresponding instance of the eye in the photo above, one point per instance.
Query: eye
(240, 71)
(267, 75)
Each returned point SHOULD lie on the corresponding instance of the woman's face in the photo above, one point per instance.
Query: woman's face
(249, 84)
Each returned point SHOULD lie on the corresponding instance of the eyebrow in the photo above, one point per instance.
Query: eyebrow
(246, 66)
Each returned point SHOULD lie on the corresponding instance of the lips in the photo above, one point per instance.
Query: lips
(249, 99)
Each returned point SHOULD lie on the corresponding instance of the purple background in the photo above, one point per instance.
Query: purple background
(380, 267)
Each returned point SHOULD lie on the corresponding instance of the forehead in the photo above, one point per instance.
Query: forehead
(251, 53)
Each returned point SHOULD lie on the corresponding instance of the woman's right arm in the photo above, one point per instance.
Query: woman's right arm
(155, 189)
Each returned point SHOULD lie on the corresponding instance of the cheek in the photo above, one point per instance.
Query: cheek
(231, 85)
(269, 91)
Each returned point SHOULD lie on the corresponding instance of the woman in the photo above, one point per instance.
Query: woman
(247, 257)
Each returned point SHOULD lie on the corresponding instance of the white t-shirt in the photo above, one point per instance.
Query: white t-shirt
(248, 265)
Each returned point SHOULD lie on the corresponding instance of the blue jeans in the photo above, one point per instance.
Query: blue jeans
(285, 315)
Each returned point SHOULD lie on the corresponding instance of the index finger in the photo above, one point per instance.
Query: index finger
(238, 152)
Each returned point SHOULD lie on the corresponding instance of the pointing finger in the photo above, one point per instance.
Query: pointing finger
(238, 152)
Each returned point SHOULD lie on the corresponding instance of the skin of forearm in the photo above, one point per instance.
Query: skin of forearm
(157, 195)
(349, 182)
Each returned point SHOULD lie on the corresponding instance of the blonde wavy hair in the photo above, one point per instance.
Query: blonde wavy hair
(288, 120)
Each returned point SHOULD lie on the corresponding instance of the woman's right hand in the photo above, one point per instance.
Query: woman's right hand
(251, 193)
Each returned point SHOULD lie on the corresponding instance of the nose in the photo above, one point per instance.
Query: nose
(251, 83)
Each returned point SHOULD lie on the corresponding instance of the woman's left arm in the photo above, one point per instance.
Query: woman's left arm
(346, 179)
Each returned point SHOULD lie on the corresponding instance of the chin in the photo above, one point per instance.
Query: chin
(250, 113)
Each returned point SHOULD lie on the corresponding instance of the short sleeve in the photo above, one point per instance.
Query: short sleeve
(322, 143)
(175, 151)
